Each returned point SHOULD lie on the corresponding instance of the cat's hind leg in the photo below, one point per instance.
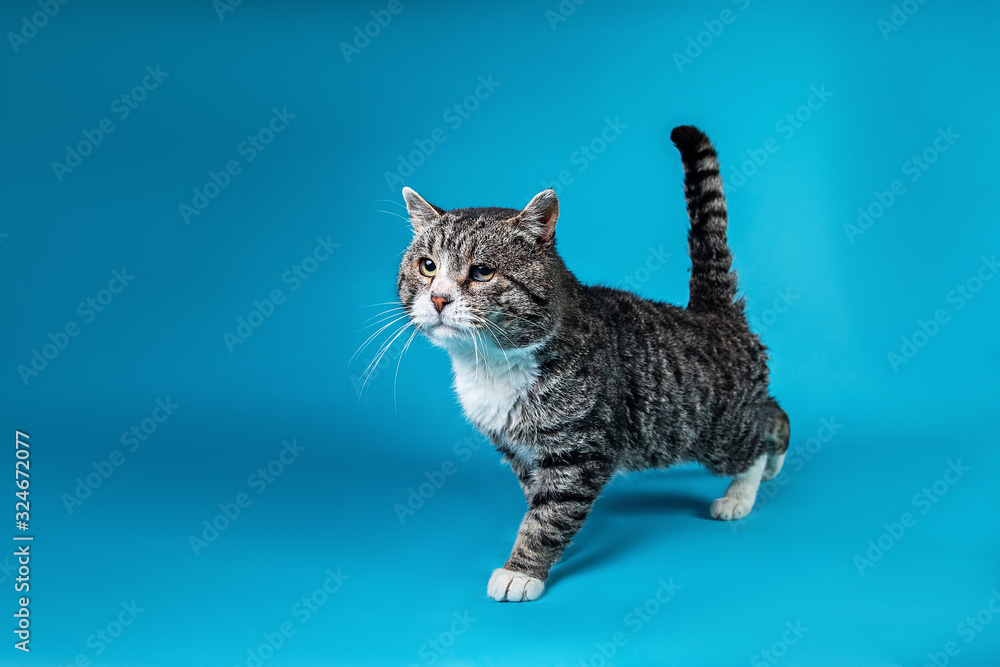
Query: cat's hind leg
(775, 431)
(741, 494)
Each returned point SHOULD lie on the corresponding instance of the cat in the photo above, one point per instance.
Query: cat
(573, 383)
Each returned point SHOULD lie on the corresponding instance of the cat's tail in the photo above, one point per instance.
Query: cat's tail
(713, 285)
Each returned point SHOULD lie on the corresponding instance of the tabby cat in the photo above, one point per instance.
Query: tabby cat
(573, 383)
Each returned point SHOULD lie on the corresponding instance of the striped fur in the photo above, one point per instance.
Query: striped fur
(587, 380)
(713, 284)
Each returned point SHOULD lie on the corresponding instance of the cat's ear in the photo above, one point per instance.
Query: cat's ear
(540, 216)
(422, 214)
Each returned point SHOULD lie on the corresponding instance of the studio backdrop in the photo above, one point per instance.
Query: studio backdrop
(218, 454)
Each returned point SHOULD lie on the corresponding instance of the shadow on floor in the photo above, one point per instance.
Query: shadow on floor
(608, 533)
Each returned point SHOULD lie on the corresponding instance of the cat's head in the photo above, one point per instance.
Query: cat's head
(481, 275)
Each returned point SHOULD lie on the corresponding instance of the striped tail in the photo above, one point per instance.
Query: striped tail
(713, 285)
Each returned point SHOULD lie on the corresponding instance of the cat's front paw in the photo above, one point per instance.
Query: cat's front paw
(728, 508)
(509, 586)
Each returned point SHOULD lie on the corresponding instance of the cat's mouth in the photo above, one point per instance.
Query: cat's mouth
(444, 330)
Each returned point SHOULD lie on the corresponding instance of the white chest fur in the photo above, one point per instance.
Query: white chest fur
(489, 384)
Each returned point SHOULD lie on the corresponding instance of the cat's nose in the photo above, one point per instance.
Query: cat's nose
(440, 302)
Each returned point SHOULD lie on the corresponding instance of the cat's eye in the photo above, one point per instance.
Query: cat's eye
(482, 273)
(427, 267)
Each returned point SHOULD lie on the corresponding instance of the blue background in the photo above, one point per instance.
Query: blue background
(847, 301)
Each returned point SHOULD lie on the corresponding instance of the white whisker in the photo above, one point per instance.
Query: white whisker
(489, 331)
(475, 349)
(496, 328)
(384, 315)
(406, 346)
(369, 368)
(378, 359)
(384, 303)
(518, 317)
(486, 359)
(372, 337)
(401, 217)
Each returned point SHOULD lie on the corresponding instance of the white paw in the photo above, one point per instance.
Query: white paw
(514, 586)
(729, 507)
